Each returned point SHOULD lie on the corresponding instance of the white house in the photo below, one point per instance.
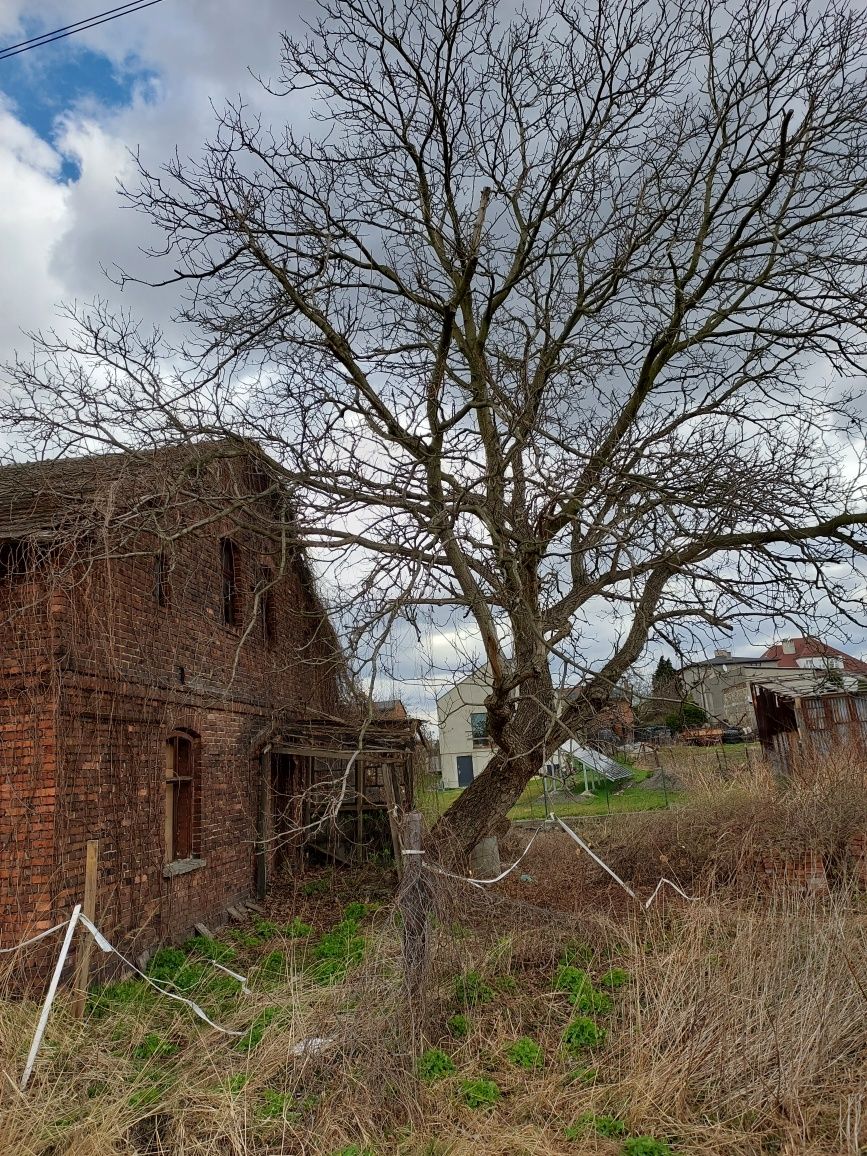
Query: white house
(463, 731)
(465, 748)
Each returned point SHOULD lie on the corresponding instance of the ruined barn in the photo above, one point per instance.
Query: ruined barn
(170, 684)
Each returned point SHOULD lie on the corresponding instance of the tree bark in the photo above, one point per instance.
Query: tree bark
(480, 808)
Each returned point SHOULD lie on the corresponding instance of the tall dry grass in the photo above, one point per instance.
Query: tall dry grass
(741, 1027)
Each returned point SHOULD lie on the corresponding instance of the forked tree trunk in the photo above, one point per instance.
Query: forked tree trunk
(483, 805)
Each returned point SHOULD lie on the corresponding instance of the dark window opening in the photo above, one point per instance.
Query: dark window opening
(182, 803)
(266, 604)
(230, 593)
(479, 728)
(162, 579)
(13, 558)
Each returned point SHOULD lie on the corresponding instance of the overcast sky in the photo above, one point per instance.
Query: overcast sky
(69, 114)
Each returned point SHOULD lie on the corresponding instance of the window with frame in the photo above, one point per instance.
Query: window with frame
(162, 579)
(266, 604)
(180, 802)
(231, 602)
(479, 728)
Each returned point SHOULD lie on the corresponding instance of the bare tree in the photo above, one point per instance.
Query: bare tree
(549, 317)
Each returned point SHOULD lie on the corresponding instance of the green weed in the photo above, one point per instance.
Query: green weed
(171, 966)
(608, 1126)
(580, 989)
(458, 1025)
(471, 989)
(316, 887)
(435, 1064)
(525, 1053)
(297, 929)
(614, 978)
(274, 965)
(583, 1033)
(266, 928)
(646, 1146)
(211, 949)
(277, 1105)
(480, 1093)
(252, 1037)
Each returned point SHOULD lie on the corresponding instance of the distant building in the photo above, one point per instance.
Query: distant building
(722, 685)
(795, 719)
(389, 708)
(708, 683)
(464, 743)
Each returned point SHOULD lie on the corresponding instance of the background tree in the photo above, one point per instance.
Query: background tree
(663, 676)
(548, 320)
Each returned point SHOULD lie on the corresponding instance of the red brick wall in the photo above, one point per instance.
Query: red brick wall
(27, 756)
(83, 757)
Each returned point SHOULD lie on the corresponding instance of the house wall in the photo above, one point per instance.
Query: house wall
(454, 708)
(27, 757)
(85, 756)
(725, 693)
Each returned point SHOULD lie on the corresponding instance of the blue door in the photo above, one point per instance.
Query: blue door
(465, 770)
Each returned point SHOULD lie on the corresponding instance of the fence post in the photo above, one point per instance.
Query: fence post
(414, 902)
(388, 788)
(82, 967)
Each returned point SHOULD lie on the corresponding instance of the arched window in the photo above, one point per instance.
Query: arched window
(183, 805)
(229, 575)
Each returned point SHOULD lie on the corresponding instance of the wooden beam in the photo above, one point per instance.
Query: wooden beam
(263, 800)
(393, 821)
(88, 908)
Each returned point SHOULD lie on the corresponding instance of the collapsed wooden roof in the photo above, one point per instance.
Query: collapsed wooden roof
(340, 738)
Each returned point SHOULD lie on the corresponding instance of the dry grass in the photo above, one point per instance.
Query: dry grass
(741, 1026)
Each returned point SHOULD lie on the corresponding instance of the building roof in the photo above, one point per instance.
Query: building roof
(730, 660)
(806, 684)
(42, 499)
(807, 647)
(389, 708)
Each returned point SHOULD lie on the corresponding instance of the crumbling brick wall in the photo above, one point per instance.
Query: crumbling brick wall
(107, 670)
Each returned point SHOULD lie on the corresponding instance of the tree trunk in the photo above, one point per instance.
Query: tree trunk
(484, 804)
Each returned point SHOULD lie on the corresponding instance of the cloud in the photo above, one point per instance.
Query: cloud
(35, 211)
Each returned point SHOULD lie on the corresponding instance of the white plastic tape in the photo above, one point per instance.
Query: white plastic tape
(35, 939)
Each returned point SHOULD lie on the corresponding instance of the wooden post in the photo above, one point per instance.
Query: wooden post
(359, 804)
(263, 803)
(414, 904)
(82, 967)
(393, 821)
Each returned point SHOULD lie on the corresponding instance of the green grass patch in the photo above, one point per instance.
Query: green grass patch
(646, 1146)
(154, 1046)
(587, 1122)
(212, 949)
(252, 1037)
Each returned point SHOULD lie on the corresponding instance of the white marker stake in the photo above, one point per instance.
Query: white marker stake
(49, 999)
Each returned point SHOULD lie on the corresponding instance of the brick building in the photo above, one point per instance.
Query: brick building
(160, 629)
